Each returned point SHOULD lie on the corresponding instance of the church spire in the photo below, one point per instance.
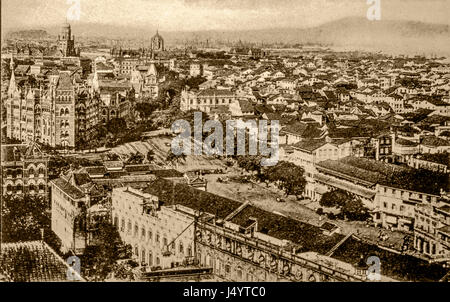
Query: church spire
(12, 89)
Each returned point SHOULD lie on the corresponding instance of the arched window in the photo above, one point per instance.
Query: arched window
(41, 187)
(32, 188)
(116, 221)
(62, 112)
(136, 230)
(67, 133)
(9, 188)
(19, 188)
(104, 112)
(129, 226)
(62, 123)
(41, 171)
(31, 171)
(136, 251)
(67, 111)
(150, 258)
(113, 113)
(143, 233)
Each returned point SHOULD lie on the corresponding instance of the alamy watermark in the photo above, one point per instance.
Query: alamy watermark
(374, 11)
(374, 270)
(74, 269)
(74, 11)
(257, 133)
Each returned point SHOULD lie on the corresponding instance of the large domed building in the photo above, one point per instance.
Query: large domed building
(157, 42)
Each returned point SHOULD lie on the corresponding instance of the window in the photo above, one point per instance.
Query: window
(239, 273)
(150, 235)
(227, 268)
(136, 230)
(181, 249)
(157, 238)
(143, 256)
(385, 204)
(143, 233)
(150, 258)
(122, 227)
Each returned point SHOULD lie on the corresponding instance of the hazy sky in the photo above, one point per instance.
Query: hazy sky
(173, 15)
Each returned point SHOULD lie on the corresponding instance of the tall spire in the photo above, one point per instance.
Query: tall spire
(12, 89)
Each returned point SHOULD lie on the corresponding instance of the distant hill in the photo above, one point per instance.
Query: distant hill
(31, 34)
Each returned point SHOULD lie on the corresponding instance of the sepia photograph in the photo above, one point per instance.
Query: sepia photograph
(225, 142)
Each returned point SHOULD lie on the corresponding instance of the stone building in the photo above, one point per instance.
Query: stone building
(24, 170)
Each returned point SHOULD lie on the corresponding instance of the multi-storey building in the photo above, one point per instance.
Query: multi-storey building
(24, 170)
(432, 231)
(207, 99)
(153, 231)
(44, 116)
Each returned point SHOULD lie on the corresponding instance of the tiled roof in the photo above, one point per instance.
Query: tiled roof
(68, 188)
(32, 261)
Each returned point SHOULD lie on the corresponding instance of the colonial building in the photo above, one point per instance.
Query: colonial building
(46, 116)
(207, 99)
(24, 170)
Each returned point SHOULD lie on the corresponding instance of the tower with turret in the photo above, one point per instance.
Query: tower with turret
(66, 41)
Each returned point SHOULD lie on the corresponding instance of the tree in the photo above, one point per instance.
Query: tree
(135, 159)
(99, 259)
(355, 210)
(116, 125)
(145, 109)
(250, 163)
(351, 206)
(289, 177)
(172, 158)
(150, 156)
(336, 198)
(24, 217)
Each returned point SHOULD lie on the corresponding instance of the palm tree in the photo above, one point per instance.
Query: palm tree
(150, 156)
(172, 158)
